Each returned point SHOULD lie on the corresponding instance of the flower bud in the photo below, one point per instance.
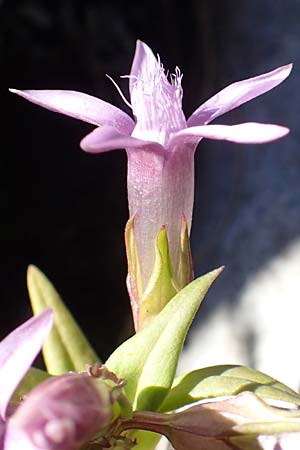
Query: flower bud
(63, 413)
(242, 422)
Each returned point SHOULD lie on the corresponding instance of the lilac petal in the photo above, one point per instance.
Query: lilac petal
(236, 94)
(107, 138)
(244, 133)
(144, 62)
(80, 106)
(17, 352)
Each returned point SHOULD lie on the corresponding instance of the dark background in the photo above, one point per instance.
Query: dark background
(65, 211)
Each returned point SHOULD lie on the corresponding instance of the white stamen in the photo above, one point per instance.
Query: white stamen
(119, 90)
(131, 77)
(156, 99)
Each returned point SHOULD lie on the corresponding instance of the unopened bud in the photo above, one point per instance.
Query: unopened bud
(62, 413)
(242, 422)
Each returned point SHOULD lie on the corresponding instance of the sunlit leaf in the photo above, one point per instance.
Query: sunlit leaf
(224, 380)
(149, 359)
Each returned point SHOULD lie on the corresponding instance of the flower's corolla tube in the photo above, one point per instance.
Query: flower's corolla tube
(62, 413)
(160, 145)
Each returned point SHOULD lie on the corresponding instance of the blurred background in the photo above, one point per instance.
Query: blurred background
(65, 211)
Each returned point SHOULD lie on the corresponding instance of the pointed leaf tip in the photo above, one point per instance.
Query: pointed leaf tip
(225, 380)
(149, 359)
(67, 348)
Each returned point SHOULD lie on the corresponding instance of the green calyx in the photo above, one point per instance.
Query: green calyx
(161, 287)
(164, 283)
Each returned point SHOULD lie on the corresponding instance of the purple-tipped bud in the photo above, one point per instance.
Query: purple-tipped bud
(62, 413)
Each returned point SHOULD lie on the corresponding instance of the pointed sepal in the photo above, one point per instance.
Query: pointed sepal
(161, 287)
(147, 301)
(185, 270)
(133, 281)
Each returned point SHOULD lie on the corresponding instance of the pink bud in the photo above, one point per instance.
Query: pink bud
(62, 413)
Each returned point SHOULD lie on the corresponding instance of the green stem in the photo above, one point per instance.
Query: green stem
(144, 420)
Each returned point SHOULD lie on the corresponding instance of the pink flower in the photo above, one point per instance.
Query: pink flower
(160, 145)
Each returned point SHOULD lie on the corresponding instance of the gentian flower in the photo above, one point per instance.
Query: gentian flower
(17, 352)
(160, 145)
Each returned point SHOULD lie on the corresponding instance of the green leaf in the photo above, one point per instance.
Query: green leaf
(217, 381)
(145, 440)
(32, 378)
(66, 348)
(149, 359)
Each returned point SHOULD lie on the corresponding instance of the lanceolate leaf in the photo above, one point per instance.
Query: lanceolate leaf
(218, 381)
(149, 359)
(32, 378)
(66, 348)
